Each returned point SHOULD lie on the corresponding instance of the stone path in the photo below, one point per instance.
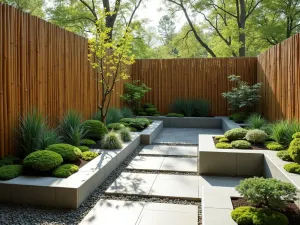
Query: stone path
(155, 159)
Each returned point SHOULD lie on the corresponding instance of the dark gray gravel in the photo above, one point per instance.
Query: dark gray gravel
(12, 214)
(161, 172)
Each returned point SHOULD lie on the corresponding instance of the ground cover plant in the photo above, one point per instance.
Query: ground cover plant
(68, 152)
(65, 170)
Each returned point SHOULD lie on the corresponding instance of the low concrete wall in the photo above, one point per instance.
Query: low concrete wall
(148, 135)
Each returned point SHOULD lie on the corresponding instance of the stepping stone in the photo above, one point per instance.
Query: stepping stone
(180, 164)
(183, 150)
(154, 150)
(177, 186)
(113, 212)
(146, 163)
(132, 183)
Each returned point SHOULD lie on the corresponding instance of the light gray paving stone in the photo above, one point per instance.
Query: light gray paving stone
(178, 186)
(179, 164)
(168, 214)
(213, 216)
(216, 198)
(146, 163)
(183, 150)
(132, 183)
(215, 181)
(113, 212)
(154, 150)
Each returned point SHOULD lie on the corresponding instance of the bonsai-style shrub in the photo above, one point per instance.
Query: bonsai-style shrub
(242, 96)
(294, 150)
(238, 117)
(9, 172)
(256, 136)
(235, 134)
(256, 121)
(241, 144)
(125, 134)
(112, 140)
(126, 112)
(219, 137)
(89, 155)
(223, 145)
(284, 155)
(224, 139)
(292, 168)
(65, 170)
(272, 145)
(296, 135)
(43, 160)
(175, 115)
(139, 123)
(95, 129)
(113, 116)
(87, 142)
(270, 193)
(84, 148)
(151, 111)
(68, 152)
(115, 126)
(246, 215)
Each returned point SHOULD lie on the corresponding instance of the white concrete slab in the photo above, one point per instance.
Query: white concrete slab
(179, 164)
(212, 216)
(154, 150)
(146, 163)
(183, 150)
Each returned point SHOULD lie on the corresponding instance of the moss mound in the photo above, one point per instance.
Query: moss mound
(65, 170)
(89, 155)
(112, 140)
(285, 156)
(84, 148)
(96, 129)
(296, 135)
(292, 168)
(68, 152)
(241, 144)
(235, 134)
(224, 139)
(219, 137)
(9, 172)
(223, 145)
(258, 216)
(256, 136)
(43, 160)
(87, 142)
(294, 150)
(115, 126)
(274, 146)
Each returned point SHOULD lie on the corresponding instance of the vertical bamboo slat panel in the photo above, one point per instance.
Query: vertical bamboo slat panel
(279, 71)
(205, 78)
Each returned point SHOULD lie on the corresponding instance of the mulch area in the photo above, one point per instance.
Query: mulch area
(253, 147)
(291, 211)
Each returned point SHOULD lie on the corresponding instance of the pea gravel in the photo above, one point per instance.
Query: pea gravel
(13, 214)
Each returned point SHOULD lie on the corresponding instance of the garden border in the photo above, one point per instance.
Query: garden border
(72, 191)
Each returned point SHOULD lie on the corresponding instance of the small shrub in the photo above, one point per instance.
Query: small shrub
(272, 145)
(95, 129)
(89, 155)
(49, 137)
(235, 134)
(68, 152)
(238, 117)
(126, 120)
(65, 170)
(271, 193)
(139, 123)
(43, 160)
(125, 134)
(126, 112)
(87, 142)
(241, 144)
(112, 140)
(148, 105)
(223, 145)
(115, 126)
(113, 116)
(151, 111)
(175, 115)
(292, 168)
(142, 114)
(224, 139)
(9, 172)
(296, 135)
(84, 148)
(246, 215)
(294, 150)
(256, 121)
(256, 136)
(284, 155)
(219, 137)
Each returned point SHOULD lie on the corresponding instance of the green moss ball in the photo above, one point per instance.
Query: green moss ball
(274, 146)
(241, 144)
(292, 168)
(84, 148)
(65, 170)
(115, 126)
(284, 155)
(294, 150)
(43, 160)
(9, 172)
(89, 155)
(235, 134)
(256, 136)
(68, 152)
(96, 129)
(87, 142)
(224, 139)
(223, 145)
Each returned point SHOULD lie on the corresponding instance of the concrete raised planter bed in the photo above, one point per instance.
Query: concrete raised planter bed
(72, 191)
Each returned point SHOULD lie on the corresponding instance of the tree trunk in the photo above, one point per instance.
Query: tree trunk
(241, 25)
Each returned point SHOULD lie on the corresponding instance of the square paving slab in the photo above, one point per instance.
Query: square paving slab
(169, 150)
(184, 135)
(146, 163)
(113, 212)
(154, 150)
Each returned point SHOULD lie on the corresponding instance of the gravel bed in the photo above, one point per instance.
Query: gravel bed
(169, 156)
(161, 172)
(38, 215)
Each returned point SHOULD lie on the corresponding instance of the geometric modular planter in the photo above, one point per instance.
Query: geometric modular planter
(72, 191)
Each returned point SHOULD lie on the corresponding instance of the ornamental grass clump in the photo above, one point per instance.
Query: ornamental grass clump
(241, 144)
(235, 134)
(49, 137)
(256, 121)
(112, 140)
(68, 152)
(113, 116)
(65, 170)
(282, 131)
(125, 134)
(127, 112)
(256, 136)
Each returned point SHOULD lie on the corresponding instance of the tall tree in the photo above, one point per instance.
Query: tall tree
(34, 7)
(166, 29)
